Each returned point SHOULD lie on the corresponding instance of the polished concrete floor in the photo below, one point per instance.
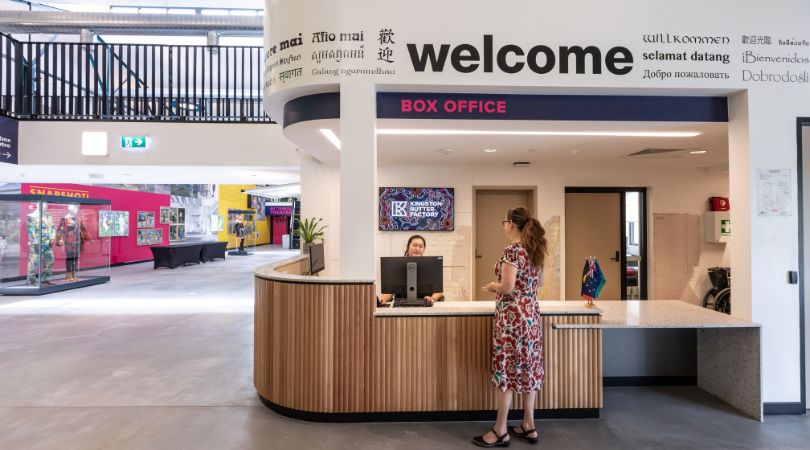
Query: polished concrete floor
(162, 359)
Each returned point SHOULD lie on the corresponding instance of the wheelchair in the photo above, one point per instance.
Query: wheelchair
(719, 296)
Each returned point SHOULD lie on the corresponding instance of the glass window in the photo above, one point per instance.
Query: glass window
(243, 12)
(632, 220)
(124, 10)
(182, 11)
(152, 11)
(215, 12)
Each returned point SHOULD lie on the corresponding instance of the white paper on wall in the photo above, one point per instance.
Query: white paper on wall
(773, 192)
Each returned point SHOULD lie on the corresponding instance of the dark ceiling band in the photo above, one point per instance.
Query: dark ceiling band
(312, 107)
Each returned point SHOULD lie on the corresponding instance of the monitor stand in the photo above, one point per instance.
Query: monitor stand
(411, 299)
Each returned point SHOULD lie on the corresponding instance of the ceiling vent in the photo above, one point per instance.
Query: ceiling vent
(521, 164)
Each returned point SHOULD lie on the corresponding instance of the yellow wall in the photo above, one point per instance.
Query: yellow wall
(231, 197)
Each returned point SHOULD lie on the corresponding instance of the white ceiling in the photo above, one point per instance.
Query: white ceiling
(430, 150)
(148, 174)
(548, 150)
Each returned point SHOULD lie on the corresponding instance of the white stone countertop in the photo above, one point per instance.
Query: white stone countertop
(615, 313)
(659, 314)
(268, 272)
(482, 308)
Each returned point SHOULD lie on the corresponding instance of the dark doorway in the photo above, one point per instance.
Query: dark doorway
(609, 223)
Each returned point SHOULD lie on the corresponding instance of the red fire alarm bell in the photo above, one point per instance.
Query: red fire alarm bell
(718, 203)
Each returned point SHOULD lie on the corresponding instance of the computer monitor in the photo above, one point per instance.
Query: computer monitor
(316, 259)
(400, 279)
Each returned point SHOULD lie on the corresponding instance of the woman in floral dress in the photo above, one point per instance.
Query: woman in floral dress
(517, 335)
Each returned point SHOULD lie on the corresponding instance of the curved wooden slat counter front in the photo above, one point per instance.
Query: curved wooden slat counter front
(324, 352)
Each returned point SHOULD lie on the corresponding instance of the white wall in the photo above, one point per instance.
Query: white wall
(683, 191)
(774, 241)
(178, 144)
(320, 198)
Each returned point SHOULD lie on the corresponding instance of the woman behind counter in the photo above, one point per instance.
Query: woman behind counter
(517, 339)
(415, 247)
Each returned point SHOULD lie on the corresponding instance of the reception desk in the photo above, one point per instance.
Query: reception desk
(323, 351)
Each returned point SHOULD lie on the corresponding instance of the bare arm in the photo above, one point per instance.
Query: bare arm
(507, 284)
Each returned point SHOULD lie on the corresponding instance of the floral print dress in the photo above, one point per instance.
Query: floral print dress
(517, 333)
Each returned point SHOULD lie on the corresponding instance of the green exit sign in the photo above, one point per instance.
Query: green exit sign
(133, 141)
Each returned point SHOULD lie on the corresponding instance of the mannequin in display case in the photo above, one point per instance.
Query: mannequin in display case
(43, 231)
(71, 234)
(240, 230)
(39, 225)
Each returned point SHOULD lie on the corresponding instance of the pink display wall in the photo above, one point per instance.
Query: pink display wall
(122, 249)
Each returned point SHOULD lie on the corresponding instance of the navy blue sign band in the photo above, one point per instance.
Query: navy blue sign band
(9, 140)
(312, 107)
(409, 105)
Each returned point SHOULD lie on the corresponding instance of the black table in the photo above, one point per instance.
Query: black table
(176, 255)
(213, 250)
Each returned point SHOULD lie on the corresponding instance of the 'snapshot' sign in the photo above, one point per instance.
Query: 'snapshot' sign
(9, 140)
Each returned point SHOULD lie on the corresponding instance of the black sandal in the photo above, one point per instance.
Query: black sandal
(500, 442)
(523, 434)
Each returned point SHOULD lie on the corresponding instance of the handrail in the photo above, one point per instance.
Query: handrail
(108, 81)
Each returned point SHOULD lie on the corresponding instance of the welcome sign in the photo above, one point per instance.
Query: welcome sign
(416, 209)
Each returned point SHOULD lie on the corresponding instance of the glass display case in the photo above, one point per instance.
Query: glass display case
(50, 244)
(241, 231)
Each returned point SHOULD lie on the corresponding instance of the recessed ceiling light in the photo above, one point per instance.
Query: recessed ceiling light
(431, 132)
(490, 150)
(446, 151)
(698, 152)
(329, 134)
